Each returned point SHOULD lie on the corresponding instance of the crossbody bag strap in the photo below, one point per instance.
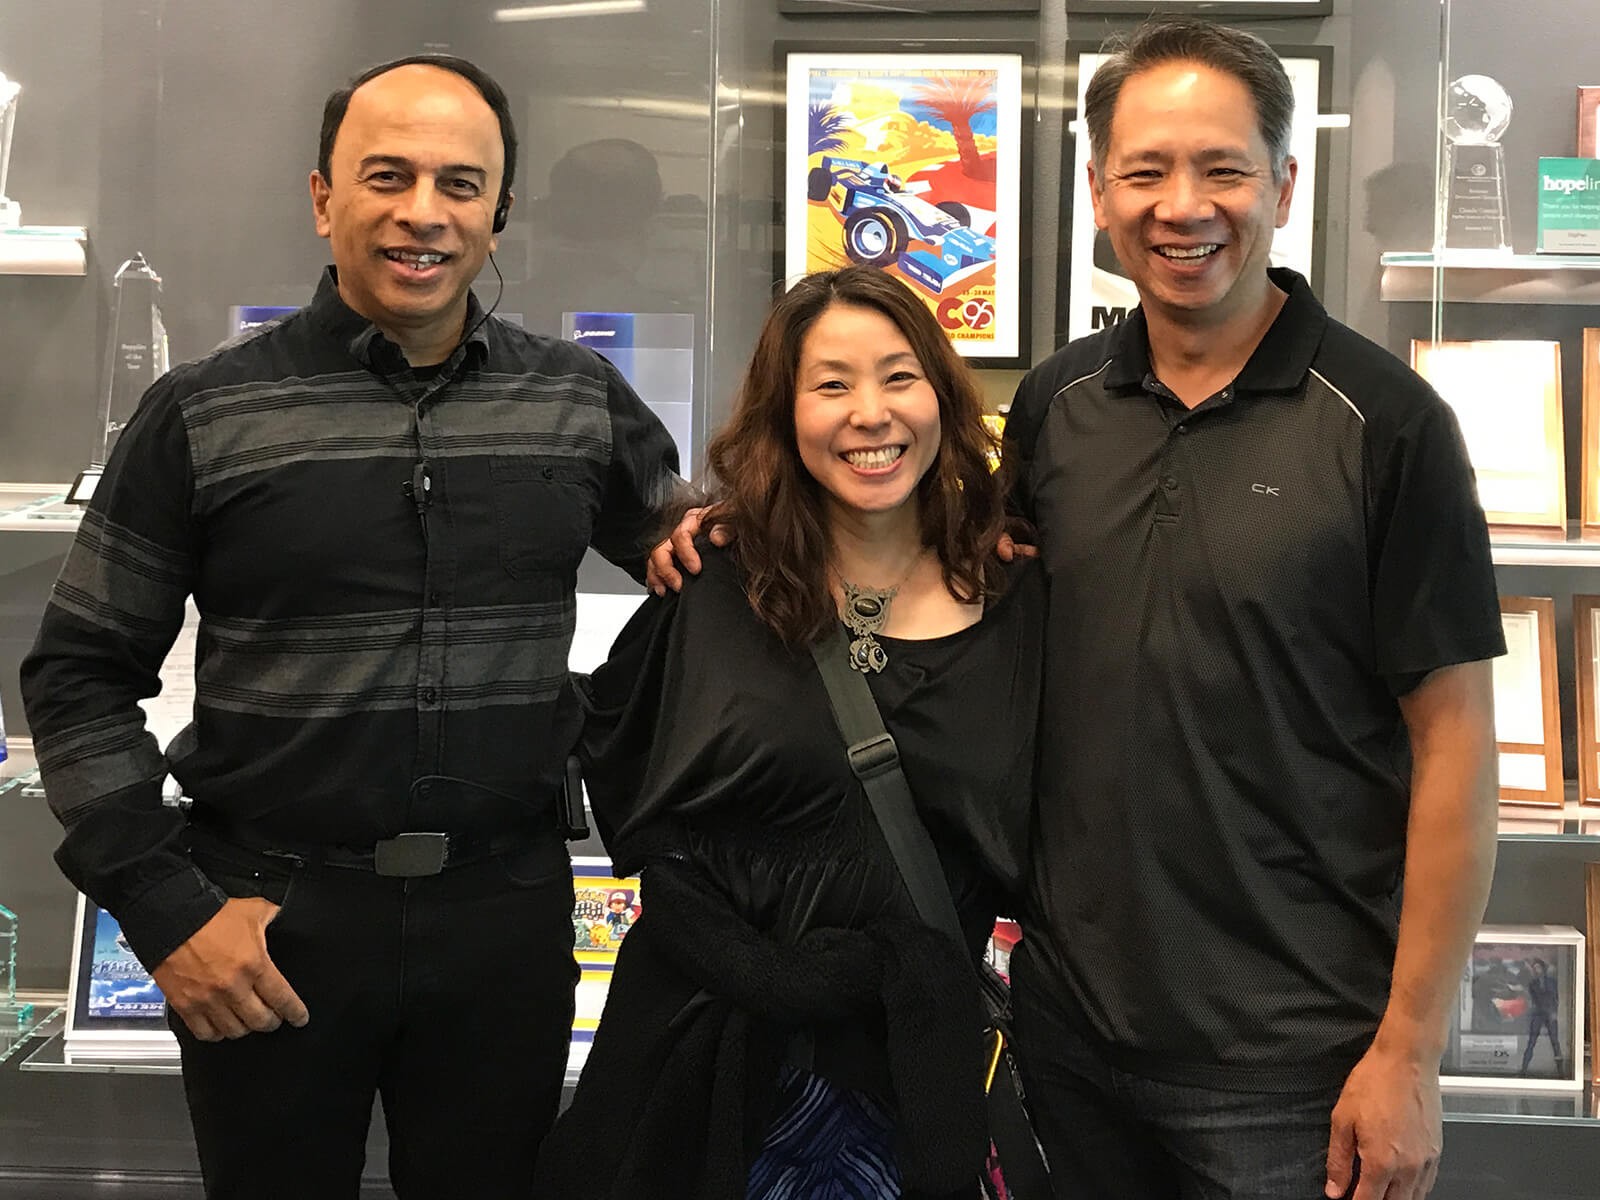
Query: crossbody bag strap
(875, 761)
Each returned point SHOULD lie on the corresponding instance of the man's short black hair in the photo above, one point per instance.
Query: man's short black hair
(493, 94)
(1163, 40)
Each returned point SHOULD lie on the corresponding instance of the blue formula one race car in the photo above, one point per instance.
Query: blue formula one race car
(884, 224)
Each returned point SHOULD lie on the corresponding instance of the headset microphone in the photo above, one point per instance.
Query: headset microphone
(489, 312)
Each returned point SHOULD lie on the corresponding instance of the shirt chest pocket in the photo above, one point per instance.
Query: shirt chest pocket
(545, 513)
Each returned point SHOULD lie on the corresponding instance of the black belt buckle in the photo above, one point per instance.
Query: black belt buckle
(411, 854)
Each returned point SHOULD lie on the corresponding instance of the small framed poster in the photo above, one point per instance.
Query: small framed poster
(604, 908)
(1588, 121)
(114, 1009)
(1527, 722)
(1093, 288)
(1507, 397)
(909, 157)
(1516, 1021)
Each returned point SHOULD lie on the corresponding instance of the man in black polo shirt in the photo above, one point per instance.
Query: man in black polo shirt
(379, 505)
(1267, 696)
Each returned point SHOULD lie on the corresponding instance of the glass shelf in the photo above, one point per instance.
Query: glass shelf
(1500, 1106)
(47, 1017)
(37, 508)
(43, 250)
(20, 770)
(1572, 822)
(1577, 547)
(1492, 278)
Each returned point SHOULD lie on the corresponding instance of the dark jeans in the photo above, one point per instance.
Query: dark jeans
(1108, 1133)
(451, 996)
(1545, 1021)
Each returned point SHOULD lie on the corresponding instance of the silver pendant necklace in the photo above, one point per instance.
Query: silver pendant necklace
(866, 612)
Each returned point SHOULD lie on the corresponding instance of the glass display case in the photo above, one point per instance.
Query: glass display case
(653, 195)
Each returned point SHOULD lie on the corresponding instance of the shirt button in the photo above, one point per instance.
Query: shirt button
(433, 599)
(429, 695)
(1183, 429)
(1170, 483)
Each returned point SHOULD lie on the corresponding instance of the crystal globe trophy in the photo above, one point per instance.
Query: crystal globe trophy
(136, 358)
(1477, 111)
(10, 214)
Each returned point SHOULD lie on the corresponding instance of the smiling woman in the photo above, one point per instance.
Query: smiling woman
(858, 488)
(857, 426)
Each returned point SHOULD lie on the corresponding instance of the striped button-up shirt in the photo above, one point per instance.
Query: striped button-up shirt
(385, 563)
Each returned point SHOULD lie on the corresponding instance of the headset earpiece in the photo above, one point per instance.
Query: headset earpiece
(501, 213)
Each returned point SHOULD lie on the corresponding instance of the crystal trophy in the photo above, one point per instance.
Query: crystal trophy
(10, 213)
(1476, 115)
(137, 357)
(14, 1014)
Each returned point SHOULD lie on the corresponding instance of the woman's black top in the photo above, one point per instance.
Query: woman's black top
(704, 723)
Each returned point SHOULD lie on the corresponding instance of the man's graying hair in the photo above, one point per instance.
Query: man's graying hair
(1186, 39)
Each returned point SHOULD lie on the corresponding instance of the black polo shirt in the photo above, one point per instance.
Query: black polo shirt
(1239, 594)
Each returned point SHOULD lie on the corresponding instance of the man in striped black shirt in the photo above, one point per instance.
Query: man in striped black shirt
(378, 505)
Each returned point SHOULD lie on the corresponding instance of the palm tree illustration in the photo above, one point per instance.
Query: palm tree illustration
(957, 100)
(826, 123)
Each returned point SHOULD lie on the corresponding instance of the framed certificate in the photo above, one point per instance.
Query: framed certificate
(909, 156)
(1517, 1019)
(1591, 428)
(1591, 906)
(1527, 722)
(1586, 633)
(1589, 121)
(1507, 396)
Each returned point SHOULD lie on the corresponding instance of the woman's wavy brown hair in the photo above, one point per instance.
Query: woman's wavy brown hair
(774, 507)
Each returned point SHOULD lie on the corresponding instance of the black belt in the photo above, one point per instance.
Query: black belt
(404, 856)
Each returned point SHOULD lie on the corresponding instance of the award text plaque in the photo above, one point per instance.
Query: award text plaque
(1591, 428)
(1507, 396)
(1527, 720)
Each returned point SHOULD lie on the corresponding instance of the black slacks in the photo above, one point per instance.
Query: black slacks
(450, 996)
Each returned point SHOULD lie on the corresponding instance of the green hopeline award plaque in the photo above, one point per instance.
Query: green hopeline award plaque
(1569, 206)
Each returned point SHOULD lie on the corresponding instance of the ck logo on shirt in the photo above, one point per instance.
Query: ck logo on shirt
(1265, 489)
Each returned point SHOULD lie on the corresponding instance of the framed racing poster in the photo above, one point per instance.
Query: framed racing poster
(1208, 8)
(902, 8)
(1093, 289)
(908, 157)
